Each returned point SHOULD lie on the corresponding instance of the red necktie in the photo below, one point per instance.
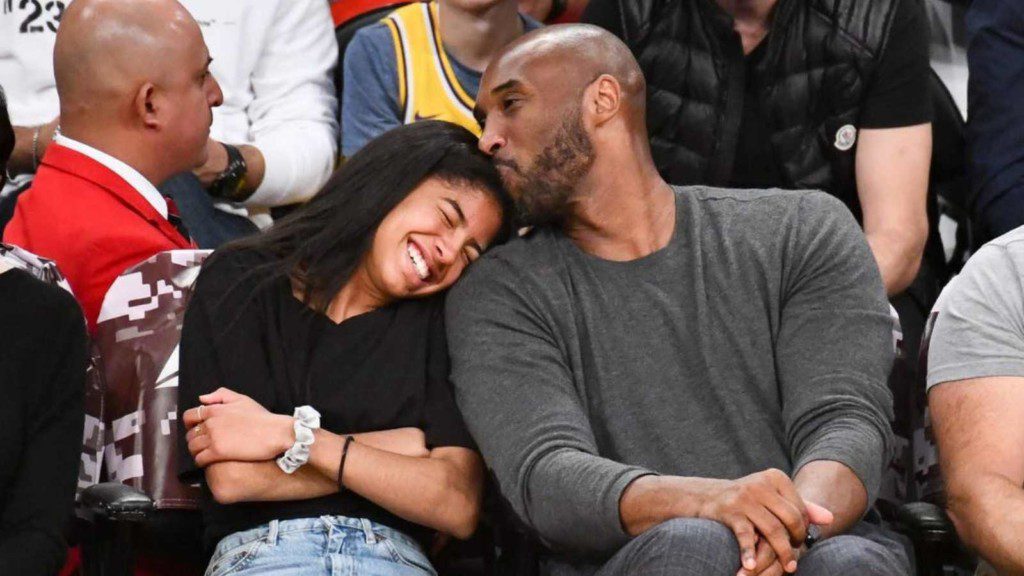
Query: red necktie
(174, 217)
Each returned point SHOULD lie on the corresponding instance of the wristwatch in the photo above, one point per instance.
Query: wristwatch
(230, 183)
(813, 536)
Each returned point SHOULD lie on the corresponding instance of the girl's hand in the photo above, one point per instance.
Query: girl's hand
(233, 427)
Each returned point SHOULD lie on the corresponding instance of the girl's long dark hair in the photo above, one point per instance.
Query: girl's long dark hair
(320, 245)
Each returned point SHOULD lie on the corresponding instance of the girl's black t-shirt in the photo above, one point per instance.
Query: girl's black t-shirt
(381, 370)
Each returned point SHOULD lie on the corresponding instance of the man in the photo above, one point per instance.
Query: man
(995, 127)
(797, 94)
(273, 143)
(666, 380)
(136, 99)
(976, 396)
(423, 61)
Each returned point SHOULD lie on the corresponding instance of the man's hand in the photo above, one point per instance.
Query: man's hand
(767, 562)
(222, 430)
(764, 506)
(216, 162)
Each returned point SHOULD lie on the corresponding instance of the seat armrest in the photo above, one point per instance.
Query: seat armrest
(115, 501)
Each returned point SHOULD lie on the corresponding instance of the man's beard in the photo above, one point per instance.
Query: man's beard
(544, 191)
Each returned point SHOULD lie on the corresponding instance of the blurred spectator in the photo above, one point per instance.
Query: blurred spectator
(27, 31)
(444, 46)
(274, 61)
(976, 396)
(274, 142)
(995, 128)
(136, 97)
(42, 380)
(806, 95)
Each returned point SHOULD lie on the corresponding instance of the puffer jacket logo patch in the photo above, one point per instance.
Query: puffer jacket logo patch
(846, 137)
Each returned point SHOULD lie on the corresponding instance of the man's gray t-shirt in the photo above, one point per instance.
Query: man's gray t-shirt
(759, 337)
(978, 330)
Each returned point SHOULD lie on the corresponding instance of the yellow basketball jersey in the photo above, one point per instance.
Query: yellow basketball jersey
(427, 86)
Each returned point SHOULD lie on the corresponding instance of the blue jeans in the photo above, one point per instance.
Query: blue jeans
(207, 225)
(325, 546)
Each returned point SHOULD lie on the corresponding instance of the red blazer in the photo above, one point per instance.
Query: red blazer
(91, 222)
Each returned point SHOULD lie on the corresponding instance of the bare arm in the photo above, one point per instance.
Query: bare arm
(24, 138)
(979, 424)
(235, 481)
(836, 487)
(892, 185)
(442, 490)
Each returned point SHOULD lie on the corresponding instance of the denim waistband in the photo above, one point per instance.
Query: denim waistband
(372, 531)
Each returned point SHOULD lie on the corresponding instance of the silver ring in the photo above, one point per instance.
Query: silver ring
(201, 413)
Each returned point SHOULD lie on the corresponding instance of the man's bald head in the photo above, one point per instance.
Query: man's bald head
(106, 47)
(552, 102)
(580, 53)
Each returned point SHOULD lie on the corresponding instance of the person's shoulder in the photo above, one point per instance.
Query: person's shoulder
(774, 202)
(996, 265)
(48, 303)
(232, 268)
(373, 40)
(529, 259)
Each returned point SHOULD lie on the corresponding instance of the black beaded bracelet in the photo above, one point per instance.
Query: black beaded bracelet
(341, 466)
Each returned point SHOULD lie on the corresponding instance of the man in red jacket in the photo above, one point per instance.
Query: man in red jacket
(135, 108)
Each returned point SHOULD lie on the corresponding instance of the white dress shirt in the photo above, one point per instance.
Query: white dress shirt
(126, 172)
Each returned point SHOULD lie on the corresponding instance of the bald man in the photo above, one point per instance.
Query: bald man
(135, 105)
(667, 380)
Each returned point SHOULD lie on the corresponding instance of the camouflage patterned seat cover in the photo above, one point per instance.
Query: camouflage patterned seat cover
(137, 337)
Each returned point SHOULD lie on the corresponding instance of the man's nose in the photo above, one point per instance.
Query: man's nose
(491, 142)
(216, 97)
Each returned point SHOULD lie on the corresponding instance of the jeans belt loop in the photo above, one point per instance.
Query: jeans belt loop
(272, 533)
(371, 538)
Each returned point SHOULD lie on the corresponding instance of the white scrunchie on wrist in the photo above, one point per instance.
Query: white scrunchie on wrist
(306, 420)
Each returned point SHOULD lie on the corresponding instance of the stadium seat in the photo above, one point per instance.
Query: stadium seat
(938, 550)
(142, 505)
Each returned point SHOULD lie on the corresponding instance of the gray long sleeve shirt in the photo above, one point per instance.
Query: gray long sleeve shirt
(758, 337)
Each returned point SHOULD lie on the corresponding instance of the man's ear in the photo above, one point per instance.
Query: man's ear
(603, 98)
(147, 106)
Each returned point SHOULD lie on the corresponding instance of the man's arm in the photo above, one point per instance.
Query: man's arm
(892, 185)
(834, 352)
(979, 424)
(836, 487)
(976, 374)
(28, 149)
(370, 102)
(293, 114)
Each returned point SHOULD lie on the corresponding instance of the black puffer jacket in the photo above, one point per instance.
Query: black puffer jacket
(812, 80)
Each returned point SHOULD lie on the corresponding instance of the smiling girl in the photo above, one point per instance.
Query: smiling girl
(315, 371)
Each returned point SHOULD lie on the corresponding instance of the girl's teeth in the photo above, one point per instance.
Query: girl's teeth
(418, 263)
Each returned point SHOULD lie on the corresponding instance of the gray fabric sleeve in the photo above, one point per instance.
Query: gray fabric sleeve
(516, 392)
(834, 347)
(979, 321)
